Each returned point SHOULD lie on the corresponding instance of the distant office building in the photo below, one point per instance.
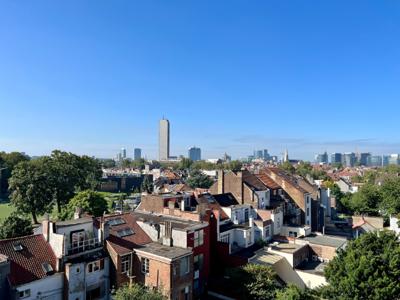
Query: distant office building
(258, 154)
(385, 160)
(194, 153)
(394, 159)
(375, 161)
(163, 140)
(266, 155)
(286, 156)
(137, 154)
(321, 158)
(226, 158)
(363, 158)
(349, 159)
(123, 153)
(336, 158)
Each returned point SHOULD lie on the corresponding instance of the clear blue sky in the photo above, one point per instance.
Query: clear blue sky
(94, 76)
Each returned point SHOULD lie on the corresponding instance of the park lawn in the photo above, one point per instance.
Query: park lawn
(5, 210)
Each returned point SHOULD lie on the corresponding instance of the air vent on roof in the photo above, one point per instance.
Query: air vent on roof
(18, 247)
(47, 268)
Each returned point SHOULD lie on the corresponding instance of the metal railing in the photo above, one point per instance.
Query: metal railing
(84, 245)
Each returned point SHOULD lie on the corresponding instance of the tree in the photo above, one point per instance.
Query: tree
(30, 191)
(147, 185)
(369, 268)
(254, 281)
(89, 201)
(184, 164)
(366, 200)
(8, 161)
(288, 167)
(198, 179)
(70, 173)
(293, 292)
(390, 190)
(234, 165)
(137, 292)
(14, 226)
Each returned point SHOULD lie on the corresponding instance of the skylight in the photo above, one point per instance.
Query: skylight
(18, 247)
(125, 232)
(47, 268)
(116, 221)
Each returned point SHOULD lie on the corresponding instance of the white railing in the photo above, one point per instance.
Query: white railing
(84, 245)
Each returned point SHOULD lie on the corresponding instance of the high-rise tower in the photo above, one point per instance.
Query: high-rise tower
(163, 140)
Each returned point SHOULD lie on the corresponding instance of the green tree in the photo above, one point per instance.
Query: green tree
(184, 164)
(288, 167)
(197, 179)
(69, 173)
(138, 292)
(293, 292)
(8, 161)
(14, 226)
(30, 191)
(390, 190)
(367, 200)
(254, 282)
(89, 201)
(369, 268)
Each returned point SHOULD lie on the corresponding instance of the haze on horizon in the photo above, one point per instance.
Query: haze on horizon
(94, 76)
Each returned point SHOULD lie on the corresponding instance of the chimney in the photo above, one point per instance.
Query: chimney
(77, 213)
(105, 230)
(46, 227)
(167, 238)
(221, 182)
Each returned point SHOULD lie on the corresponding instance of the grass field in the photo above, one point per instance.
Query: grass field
(5, 210)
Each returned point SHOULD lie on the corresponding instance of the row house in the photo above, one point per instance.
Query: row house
(136, 258)
(65, 261)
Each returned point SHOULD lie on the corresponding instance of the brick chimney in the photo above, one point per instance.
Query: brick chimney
(46, 227)
(167, 238)
(221, 181)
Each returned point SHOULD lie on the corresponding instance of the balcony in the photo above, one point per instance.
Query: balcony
(84, 246)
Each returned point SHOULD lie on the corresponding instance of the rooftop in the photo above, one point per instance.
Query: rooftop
(177, 223)
(325, 240)
(313, 267)
(286, 247)
(27, 255)
(82, 220)
(160, 250)
(226, 199)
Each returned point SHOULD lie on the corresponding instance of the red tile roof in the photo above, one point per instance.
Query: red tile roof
(124, 245)
(268, 181)
(26, 264)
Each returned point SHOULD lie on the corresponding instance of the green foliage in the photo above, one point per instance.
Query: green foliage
(292, 292)
(184, 164)
(137, 292)
(254, 282)
(367, 200)
(108, 163)
(369, 268)
(15, 225)
(198, 179)
(30, 189)
(288, 167)
(390, 195)
(147, 185)
(9, 161)
(89, 201)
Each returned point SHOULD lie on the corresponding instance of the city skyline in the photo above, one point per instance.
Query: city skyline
(273, 75)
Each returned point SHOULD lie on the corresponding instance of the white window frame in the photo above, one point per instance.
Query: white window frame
(25, 293)
(198, 237)
(145, 265)
(125, 263)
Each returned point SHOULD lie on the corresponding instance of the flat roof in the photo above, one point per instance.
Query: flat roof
(264, 257)
(325, 240)
(177, 223)
(286, 247)
(82, 220)
(313, 267)
(164, 251)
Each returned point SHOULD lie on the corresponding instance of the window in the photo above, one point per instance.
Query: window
(145, 265)
(24, 293)
(267, 232)
(116, 221)
(225, 238)
(308, 211)
(125, 263)
(198, 238)
(198, 262)
(96, 265)
(184, 266)
(47, 268)
(125, 232)
(246, 215)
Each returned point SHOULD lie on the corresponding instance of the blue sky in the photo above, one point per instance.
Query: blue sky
(231, 76)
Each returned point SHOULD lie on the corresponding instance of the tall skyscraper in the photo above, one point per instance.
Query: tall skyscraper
(336, 158)
(286, 156)
(137, 153)
(123, 153)
(266, 155)
(322, 158)
(163, 140)
(194, 153)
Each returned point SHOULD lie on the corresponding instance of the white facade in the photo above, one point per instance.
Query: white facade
(163, 140)
(49, 288)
